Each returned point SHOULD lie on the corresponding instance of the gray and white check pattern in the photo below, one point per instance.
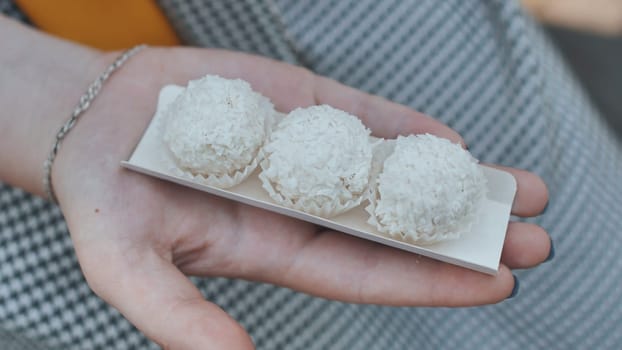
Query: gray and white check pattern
(8, 8)
(480, 66)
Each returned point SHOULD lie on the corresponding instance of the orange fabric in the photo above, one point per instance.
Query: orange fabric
(104, 24)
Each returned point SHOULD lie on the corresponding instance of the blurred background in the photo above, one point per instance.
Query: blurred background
(587, 32)
(589, 35)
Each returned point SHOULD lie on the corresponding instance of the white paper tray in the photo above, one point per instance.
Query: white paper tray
(479, 249)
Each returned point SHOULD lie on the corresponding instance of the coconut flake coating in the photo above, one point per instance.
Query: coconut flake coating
(216, 126)
(429, 189)
(319, 155)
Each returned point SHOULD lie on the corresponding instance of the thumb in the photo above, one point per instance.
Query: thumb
(162, 302)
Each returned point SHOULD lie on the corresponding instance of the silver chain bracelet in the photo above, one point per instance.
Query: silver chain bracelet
(83, 105)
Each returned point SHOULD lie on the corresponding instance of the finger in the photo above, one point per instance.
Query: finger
(160, 301)
(342, 267)
(290, 86)
(531, 193)
(526, 245)
(385, 118)
(338, 266)
(284, 251)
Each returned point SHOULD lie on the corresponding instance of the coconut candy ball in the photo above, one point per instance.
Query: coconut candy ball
(319, 155)
(428, 190)
(216, 126)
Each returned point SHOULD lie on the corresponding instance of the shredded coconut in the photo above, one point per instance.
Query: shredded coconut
(216, 126)
(429, 188)
(318, 155)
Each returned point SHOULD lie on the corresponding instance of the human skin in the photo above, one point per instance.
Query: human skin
(137, 238)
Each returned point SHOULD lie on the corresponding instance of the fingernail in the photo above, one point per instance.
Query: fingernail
(551, 253)
(515, 289)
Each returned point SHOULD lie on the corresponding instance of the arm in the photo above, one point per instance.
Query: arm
(137, 237)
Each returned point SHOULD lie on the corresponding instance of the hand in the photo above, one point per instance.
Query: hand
(137, 237)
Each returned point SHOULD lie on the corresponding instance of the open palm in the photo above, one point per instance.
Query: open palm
(138, 237)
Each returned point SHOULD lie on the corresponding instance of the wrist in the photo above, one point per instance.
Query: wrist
(42, 79)
(109, 129)
(85, 102)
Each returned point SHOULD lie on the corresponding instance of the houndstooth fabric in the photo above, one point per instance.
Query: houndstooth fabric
(481, 67)
(8, 8)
